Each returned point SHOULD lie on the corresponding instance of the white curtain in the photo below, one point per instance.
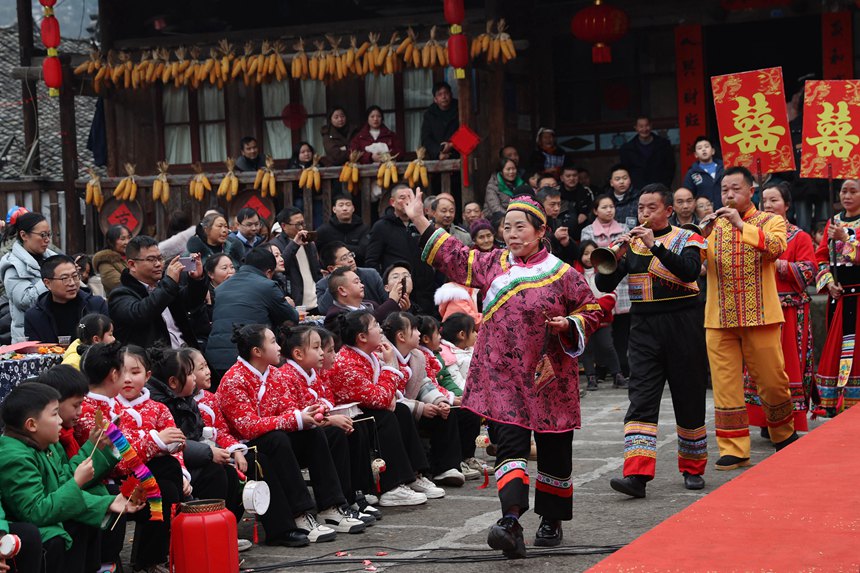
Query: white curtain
(380, 91)
(313, 98)
(177, 138)
(277, 139)
(417, 95)
(213, 136)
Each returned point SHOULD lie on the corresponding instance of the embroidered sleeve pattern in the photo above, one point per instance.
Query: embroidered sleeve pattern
(241, 414)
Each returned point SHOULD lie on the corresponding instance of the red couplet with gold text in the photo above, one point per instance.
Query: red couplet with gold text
(831, 129)
(753, 120)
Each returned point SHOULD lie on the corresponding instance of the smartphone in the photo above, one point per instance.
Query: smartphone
(188, 264)
(311, 236)
(402, 286)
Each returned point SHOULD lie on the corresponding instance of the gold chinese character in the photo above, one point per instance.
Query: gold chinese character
(755, 126)
(834, 129)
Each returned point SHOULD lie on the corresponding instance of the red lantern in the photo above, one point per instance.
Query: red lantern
(600, 25)
(53, 74)
(458, 51)
(454, 12)
(50, 32)
(48, 3)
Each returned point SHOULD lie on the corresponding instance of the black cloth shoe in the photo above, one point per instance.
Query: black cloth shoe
(507, 535)
(693, 481)
(592, 383)
(549, 533)
(634, 486)
(787, 442)
(727, 463)
(294, 538)
(765, 433)
(620, 381)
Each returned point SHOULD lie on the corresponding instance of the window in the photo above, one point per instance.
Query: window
(194, 127)
(379, 90)
(417, 95)
(314, 100)
(277, 138)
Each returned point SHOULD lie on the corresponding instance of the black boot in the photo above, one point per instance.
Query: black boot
(693, 481)
(727, 463)
(786, 442)
(764, 433)
(507, 535)
(634, 486)
(620, 381)
(592, 382)
(549, 533)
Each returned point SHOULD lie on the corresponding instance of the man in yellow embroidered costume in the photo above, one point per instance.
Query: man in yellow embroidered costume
(743, 317)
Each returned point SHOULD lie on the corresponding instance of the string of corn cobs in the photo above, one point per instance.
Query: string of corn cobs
(126, 190)
(199, 184)
(160, 187)
(229, 186)
(94, 194)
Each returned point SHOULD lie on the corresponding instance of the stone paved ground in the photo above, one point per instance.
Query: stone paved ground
(456, 525)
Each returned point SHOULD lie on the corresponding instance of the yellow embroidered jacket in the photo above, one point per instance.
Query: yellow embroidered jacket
(742, 271)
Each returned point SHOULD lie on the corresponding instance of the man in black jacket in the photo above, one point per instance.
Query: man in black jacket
(248, 297)
(345, 227)
(58, 311)
(301, 260)
(153, 304)
(440, 122)
(250, 158)
(393, 239)
(649, 157)
(560, 237)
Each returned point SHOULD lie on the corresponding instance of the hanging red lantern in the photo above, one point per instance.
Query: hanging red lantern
(458, 53)
(50, 32)
(455, 13)
(53, 74)
(600, 24)
(48, 3)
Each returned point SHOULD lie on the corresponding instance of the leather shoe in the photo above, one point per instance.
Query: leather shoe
(727, 463)
(507, 535)
(620, 381)
(549, 533)
(787, 442)
(634, 486)
(294, 538)
(693, 481)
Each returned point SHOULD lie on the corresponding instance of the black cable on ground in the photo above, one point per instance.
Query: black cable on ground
(490, 555)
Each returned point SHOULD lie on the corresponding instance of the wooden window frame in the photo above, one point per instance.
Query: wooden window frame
(194, 123)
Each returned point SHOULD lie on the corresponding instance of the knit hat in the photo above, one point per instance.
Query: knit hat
(526, 204)
(479, 225)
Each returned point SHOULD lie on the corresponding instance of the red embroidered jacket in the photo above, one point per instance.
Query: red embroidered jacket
(310, 390)
(255, 403)
(109, 407)
(207, 403)
(359, 377)
(141, 421)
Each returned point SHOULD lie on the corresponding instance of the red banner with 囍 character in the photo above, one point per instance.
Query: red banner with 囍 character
(831, 129)
(690, 78)
(753, 121)
(836, 46)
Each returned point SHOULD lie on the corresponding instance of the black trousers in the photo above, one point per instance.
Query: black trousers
(444, 435)
(620, 338)
(411, 439)
(217, 481)
(339, 447)
(600, 349)
(152, 538)
(282, 456)
(553, 487)
(82, 557)
(29, 558)
(361, 446)
(470, 428)
(666, 347)
(399, 445)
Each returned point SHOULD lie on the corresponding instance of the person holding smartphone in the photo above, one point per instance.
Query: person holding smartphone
(301, 260)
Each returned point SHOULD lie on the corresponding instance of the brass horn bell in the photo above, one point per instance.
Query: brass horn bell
(605, 259)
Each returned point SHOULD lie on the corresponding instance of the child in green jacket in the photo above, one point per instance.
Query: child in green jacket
(40, 485)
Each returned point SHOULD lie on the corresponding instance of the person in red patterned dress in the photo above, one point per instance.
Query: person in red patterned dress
(795, 271)
(260, 407)
(524, 376)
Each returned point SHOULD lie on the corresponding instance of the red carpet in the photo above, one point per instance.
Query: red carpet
(798, 510)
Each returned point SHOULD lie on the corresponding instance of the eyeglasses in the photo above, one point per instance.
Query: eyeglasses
(152, 259)
(43, 235)
(68, 279)
(299, 225)
(347, 257)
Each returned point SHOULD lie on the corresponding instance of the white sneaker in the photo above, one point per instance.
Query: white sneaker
(401, 495)
(468, 472)
(371, 499)
(307, 524)
(451, 477)
(427, 487)
(244, 545)
(337, 519)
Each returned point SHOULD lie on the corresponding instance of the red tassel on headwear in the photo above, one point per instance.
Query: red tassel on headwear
(486, 478)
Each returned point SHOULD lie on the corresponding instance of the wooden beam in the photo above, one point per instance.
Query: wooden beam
(69, 139)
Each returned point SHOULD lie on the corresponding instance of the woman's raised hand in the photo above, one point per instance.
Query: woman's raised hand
(415, 206)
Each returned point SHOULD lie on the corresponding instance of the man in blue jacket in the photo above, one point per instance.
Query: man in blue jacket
(58, 311)
(706, 174)
(336, 254)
